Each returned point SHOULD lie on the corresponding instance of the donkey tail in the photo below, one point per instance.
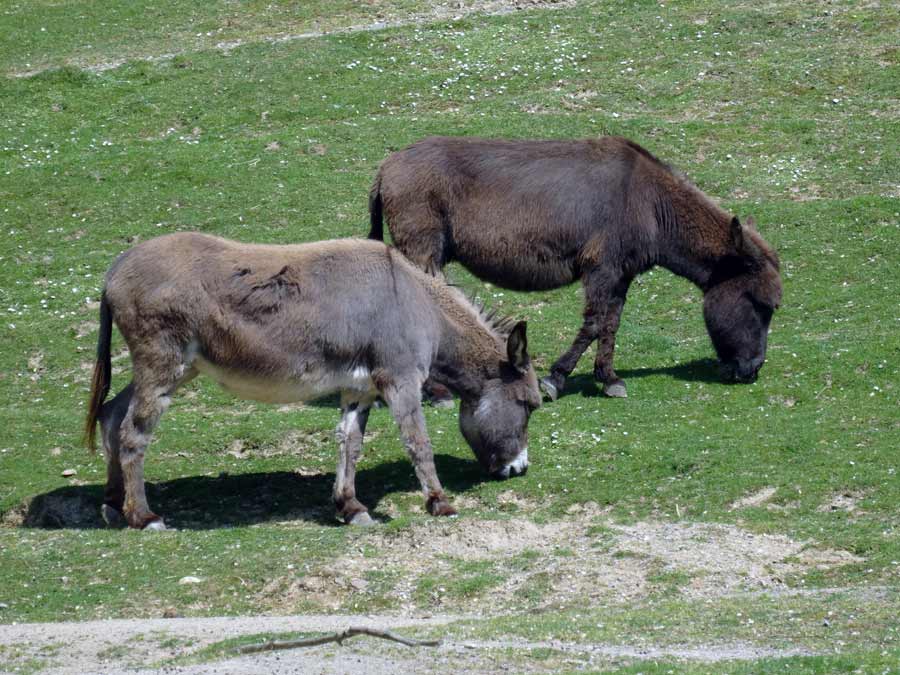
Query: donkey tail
(102, 374)
(375, 210)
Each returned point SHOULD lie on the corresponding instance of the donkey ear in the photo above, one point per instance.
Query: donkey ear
(742, 239)
(517, 347)
(737, 233)
(751, 223)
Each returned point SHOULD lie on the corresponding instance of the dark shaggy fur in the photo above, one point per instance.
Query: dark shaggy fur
(533, 215)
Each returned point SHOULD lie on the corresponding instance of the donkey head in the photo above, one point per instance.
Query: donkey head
(744, 292)
(495, 423)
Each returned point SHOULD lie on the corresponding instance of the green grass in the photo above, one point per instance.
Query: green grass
(787, 112)
(22, 662)
(467, 580)
(777, 621)
(884, 662)
(46, 34)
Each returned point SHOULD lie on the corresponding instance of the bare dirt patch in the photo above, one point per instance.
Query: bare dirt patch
(85, 328)
(36, 366)
(754, 499)
(725, 559)
(131, 645)
(516, 563)
(297, 442)
(843, 501)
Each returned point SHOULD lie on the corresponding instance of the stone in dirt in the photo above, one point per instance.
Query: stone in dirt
(190, 580)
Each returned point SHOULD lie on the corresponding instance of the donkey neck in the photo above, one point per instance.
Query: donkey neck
(695, 237)
(469, 351)
(694, 269)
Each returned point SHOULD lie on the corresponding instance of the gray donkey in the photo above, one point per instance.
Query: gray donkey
(294, 323)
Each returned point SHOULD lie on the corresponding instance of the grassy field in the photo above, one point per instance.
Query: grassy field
(782, 496)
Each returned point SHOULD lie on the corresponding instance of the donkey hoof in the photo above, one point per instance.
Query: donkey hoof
(112, 516)
(440, 507)
(549, 389)
(615, 390)
(155, 525)
(361, 518)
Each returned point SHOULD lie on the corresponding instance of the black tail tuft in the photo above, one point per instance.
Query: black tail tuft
(102, 373)
(375, 211)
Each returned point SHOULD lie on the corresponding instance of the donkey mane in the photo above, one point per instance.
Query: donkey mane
(691, 200)
(685, 191)
(498, 325)
(653, 158)
(765, 253)
(682, 203)
(685, 201)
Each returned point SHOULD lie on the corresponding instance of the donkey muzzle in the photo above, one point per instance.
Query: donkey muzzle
(517, 467)
(744, 372)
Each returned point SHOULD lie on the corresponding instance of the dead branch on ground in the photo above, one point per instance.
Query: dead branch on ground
(273, 645)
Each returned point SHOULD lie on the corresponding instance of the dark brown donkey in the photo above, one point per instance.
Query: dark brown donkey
(294, 323)
(534, 215)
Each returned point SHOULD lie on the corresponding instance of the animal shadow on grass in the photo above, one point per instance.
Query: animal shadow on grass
(698, 370)
(234, 500)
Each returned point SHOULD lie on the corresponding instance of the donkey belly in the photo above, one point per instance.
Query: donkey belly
(520, 276)
(518, 270)
(313, 384)
(513, 255)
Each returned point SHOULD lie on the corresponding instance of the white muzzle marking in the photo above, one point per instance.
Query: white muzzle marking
(515, 467)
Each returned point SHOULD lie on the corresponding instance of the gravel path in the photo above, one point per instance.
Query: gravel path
(139, 646)
(75, 648)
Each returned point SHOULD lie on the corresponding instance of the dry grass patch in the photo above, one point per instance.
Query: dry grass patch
(520, 564)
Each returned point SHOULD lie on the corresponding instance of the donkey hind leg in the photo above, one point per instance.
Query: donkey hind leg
(111, 415)
(155, 380)
(604, 298)
(350, 431)
(405, 403)
(419, 233)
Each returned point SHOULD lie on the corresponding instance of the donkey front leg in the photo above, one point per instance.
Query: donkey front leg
(354, 416)
(606, 345)
(406, 406)
(604, 298)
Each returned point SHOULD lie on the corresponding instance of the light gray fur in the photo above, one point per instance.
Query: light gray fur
(298, 322)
